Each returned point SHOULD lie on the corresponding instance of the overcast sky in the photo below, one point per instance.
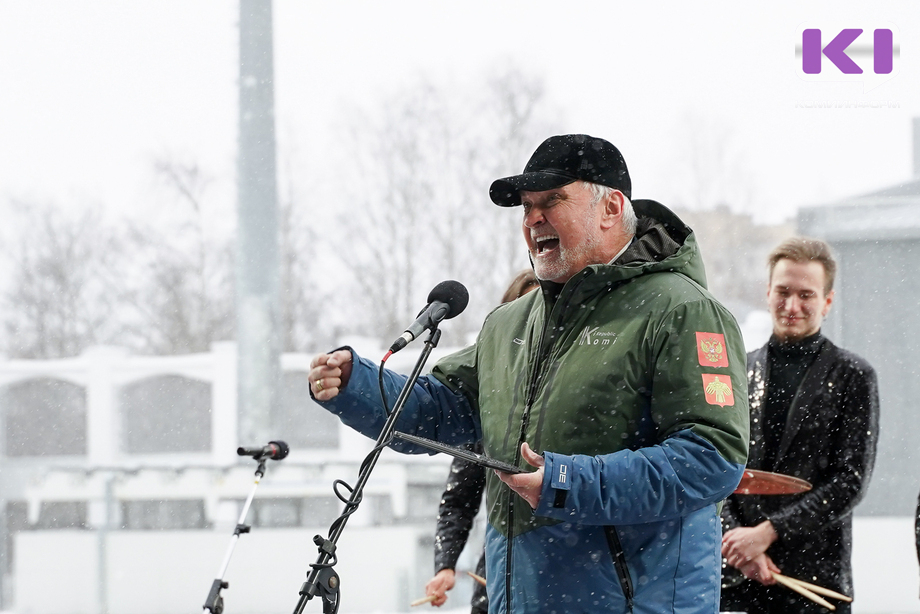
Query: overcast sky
(93, 90)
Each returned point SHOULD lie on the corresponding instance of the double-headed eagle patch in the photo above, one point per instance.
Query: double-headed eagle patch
(711, 349)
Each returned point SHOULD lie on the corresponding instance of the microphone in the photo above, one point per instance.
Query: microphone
(446, 300)
(275, 450)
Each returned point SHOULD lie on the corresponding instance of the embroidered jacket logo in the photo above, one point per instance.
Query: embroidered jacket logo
(593, 336)
(718, 392)
(561, 478)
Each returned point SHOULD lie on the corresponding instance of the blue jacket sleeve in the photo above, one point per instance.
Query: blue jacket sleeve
(432, 409)
(682, 474)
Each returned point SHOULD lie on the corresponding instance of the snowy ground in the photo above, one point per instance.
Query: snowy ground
(378, 567)
(885, 569)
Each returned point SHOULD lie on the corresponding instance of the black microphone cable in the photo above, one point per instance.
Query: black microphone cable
(344, 491)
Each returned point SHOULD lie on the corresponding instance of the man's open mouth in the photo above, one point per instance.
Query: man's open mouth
(546, 243)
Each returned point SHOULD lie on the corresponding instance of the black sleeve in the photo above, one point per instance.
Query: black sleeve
(917, 529)
(731, 508)
(855, 441)
(459, 504)
(731, 516)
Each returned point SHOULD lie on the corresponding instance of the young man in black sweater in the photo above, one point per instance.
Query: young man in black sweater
(814, 415)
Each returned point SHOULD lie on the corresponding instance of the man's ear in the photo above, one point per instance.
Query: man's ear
(613, 209)
(828, 301)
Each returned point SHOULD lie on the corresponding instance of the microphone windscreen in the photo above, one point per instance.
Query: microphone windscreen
(453, 293)
(283, 449)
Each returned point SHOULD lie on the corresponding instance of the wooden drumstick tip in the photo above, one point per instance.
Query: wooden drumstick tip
(790, 584)
(479, 579)
(821, 590)
(425, 599)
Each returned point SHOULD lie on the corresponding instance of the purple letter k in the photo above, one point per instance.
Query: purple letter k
(835, 51)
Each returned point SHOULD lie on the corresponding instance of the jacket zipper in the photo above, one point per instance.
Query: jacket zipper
(525, 420)
(613, 540)
(619, 563)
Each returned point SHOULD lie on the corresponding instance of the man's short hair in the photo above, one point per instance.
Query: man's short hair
(806, 249)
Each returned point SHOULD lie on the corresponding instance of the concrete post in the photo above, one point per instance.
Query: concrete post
(103, 444)
(258, 271)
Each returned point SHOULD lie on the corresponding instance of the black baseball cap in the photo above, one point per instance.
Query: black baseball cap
(560, 160)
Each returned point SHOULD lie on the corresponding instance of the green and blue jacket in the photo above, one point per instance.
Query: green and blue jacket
(630, 380)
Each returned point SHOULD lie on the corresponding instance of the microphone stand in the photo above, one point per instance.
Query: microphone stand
(214, 604)
(323, 580)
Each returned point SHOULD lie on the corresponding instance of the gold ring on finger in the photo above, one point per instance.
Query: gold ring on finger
(319, 385)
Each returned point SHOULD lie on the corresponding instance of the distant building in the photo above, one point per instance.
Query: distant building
(119, 477)
(876, 239)
(735, 251)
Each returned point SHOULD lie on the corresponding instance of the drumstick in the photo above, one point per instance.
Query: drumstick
(426, 599)
(821, 590)
(788, 583)
(479, 579)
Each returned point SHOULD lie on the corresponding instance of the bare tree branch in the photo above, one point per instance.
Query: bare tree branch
(420, 210)
(57, 302)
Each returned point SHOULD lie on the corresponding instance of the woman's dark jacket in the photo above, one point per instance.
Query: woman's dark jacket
(459, 505)
(829, 440)
(917, 528)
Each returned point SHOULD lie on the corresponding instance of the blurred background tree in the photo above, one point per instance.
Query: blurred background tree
(364, 233)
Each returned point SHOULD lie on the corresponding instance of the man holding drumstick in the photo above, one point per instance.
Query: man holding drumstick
(814, 415)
